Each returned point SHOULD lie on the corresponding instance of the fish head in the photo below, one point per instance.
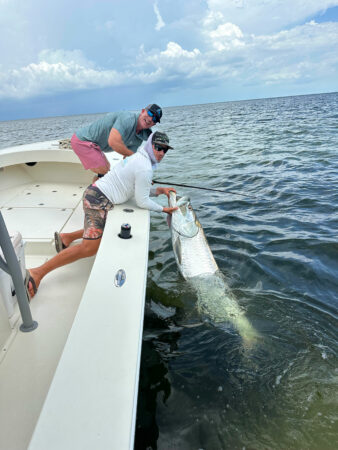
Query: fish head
(182, 201)
(183, 220)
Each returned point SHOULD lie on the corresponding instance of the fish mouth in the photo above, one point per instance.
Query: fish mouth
(183, 201)
(183, 220)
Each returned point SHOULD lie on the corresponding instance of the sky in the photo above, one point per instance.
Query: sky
(64, 57)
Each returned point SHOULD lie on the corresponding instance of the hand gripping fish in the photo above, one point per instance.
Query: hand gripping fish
(197, 265)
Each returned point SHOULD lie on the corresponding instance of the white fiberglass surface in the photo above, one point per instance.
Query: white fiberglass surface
(34, 223)
(39, 209)
(51, 195)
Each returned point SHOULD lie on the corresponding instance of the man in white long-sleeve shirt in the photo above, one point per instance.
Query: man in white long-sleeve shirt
(131, 177)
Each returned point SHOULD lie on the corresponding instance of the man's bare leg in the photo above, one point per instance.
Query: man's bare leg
(102, 170)
(86, 248)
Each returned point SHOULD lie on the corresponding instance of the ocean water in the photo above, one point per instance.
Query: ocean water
(276, 245)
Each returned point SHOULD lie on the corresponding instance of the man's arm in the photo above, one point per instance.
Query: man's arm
(115, 142)
(142, 191)
(142, 188)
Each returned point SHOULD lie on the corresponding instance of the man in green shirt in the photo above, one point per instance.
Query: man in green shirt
(122, 132)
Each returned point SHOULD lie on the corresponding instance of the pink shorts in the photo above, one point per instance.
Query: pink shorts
(89, 153)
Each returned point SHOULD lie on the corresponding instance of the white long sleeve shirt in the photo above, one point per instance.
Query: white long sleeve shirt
(132, 176)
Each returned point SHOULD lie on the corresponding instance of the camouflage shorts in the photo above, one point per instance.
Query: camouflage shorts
(96, 206)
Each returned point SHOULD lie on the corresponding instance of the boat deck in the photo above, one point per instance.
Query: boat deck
(79, 368)
(29, 360)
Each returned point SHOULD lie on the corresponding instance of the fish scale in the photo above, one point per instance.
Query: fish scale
(197, 258)
(192, 252)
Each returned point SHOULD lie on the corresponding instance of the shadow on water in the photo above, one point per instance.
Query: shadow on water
(159, 344)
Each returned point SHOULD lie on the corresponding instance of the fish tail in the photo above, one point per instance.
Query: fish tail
(248, 333)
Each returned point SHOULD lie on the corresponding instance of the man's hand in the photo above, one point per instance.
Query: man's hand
(164, 190)
(169, 210)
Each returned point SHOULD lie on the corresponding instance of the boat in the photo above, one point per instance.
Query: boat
(69, 378)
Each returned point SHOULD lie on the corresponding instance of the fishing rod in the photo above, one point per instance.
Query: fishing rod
(202, 188)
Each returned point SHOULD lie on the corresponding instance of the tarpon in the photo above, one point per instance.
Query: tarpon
(197, 265)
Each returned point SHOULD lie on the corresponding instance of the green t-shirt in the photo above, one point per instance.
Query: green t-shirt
(124, 122)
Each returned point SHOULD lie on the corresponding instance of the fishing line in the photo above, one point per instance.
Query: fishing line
(202, 188)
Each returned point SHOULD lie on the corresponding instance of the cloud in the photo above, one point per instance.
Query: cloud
(301, 53)
(63, 71)
(57, 71)
(226, 55)
(174, 50)
(160, 24)
(172, 63)
(261, 16)
(226, 36)
(67, 57)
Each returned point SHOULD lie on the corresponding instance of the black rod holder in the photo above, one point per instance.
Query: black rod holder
(125, 231)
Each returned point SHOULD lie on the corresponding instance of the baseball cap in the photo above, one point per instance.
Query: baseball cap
(156, 110)
(161, 139)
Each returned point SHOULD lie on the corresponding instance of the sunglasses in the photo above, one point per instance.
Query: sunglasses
(153, 116)
(160, 148)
